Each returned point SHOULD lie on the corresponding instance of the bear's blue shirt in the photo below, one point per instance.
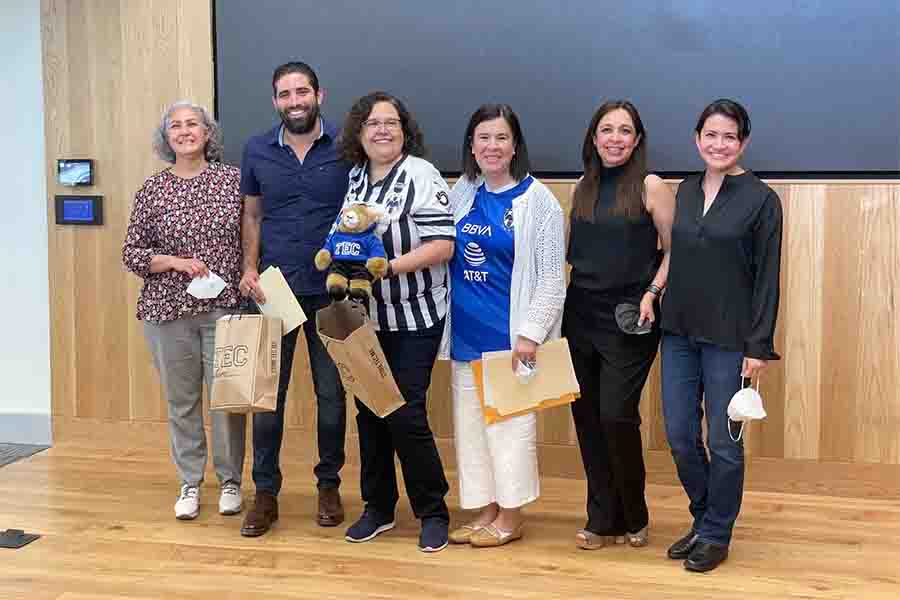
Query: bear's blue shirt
(355, 247)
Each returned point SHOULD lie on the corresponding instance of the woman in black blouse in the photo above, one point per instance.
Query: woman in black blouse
(718, 321)
(620, 214)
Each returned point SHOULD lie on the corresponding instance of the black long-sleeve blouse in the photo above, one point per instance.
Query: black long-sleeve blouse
(723, 284)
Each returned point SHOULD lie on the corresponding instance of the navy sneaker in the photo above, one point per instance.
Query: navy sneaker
(369, 525)
(433, 537)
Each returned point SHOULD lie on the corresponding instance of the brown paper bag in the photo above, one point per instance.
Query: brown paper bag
(350, 339)
(247, 364)
(554, 383)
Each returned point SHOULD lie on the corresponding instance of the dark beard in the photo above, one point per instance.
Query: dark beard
(301, 126)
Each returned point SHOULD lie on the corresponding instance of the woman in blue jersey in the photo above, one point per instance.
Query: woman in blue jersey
(507, 293)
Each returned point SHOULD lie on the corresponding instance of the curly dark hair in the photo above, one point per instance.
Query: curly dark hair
(349, 144)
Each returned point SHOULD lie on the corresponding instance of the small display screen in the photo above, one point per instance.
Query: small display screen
(75, 171)
(78, 210)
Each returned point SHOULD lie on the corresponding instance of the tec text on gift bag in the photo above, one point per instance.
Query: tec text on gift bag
(247, 364)
(350, 339)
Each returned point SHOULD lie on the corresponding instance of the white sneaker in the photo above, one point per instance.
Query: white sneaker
(188, 505)
(230, 501)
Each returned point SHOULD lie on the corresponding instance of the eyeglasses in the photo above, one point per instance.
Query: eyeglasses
(388, 124)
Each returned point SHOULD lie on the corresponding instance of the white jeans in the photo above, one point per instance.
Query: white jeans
(495, 463)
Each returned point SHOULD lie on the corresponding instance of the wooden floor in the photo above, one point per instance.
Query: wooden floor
(109, 534)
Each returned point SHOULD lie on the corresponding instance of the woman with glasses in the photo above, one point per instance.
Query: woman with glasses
(718, 321)
(408, 306)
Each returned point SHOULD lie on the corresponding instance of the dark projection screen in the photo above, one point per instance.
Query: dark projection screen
(820, 78)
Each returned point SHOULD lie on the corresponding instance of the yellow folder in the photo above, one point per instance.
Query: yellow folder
(280, 300)
(503, 396)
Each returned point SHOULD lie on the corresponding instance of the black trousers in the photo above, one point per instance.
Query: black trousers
(411, 356)
(614, 467)
(612, 368)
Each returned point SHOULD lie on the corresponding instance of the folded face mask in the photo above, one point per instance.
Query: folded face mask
(206, 287)
(627, 316)
(745, 405)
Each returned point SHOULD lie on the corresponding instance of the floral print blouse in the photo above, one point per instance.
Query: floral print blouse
(189, 218)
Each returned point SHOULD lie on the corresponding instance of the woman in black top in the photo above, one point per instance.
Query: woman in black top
(620, 214)
(718, 321)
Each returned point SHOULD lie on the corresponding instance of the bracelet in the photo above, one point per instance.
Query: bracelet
(654, 289)
(390, 271)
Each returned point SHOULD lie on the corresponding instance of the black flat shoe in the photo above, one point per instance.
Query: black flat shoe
(681, 549)
(705, 557)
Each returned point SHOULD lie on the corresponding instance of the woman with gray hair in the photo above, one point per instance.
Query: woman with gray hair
(185, 224)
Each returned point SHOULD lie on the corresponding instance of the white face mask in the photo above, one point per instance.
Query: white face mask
(745, 405)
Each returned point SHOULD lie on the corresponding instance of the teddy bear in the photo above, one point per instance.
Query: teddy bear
(354, 255)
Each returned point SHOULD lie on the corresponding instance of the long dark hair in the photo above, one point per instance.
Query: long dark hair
(351, 148)
(519, 166)
(630, 188)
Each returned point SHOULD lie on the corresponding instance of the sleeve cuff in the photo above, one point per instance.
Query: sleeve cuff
(760, 351)
(533, 332)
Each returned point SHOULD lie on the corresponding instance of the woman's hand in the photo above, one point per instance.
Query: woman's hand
(525, 350)
(752, 366)
(647, 313)
(192, 267)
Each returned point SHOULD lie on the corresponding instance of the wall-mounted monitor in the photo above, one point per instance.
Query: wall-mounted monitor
(79, 210)
(75, 171)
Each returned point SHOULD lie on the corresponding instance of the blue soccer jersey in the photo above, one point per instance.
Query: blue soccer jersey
(481, 274)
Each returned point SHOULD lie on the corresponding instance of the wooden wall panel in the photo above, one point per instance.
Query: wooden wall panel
(877, 406)
(802, 294)
(841, 334)
(61, 257)
(110, 67)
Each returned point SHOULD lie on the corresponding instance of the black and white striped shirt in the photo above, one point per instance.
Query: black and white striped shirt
(415, 205)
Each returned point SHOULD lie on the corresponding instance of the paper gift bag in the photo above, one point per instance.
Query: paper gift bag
(247, 364)
(503, 396)
(350, 339)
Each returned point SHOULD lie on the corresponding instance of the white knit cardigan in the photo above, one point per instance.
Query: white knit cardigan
(538, 288)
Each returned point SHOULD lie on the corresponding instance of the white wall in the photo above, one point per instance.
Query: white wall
(24, 299)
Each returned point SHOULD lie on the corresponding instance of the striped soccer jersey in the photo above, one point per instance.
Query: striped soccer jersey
(415, 205)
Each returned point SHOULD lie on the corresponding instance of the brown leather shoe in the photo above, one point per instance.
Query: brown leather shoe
(260, 518)
(331, 511)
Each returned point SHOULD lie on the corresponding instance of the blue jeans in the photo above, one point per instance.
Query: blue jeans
(693, 371)
(268, 427)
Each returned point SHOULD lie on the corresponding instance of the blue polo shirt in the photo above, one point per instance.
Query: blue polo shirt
(300, 202)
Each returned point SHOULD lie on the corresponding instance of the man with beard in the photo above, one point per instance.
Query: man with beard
(294, 183)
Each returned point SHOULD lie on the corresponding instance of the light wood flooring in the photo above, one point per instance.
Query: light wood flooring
(109, 534)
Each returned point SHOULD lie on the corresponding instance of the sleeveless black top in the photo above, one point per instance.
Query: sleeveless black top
(614, 252)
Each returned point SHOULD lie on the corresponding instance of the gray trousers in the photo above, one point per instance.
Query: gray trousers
(183, 351)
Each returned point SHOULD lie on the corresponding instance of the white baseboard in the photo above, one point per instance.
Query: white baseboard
(23, 428)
